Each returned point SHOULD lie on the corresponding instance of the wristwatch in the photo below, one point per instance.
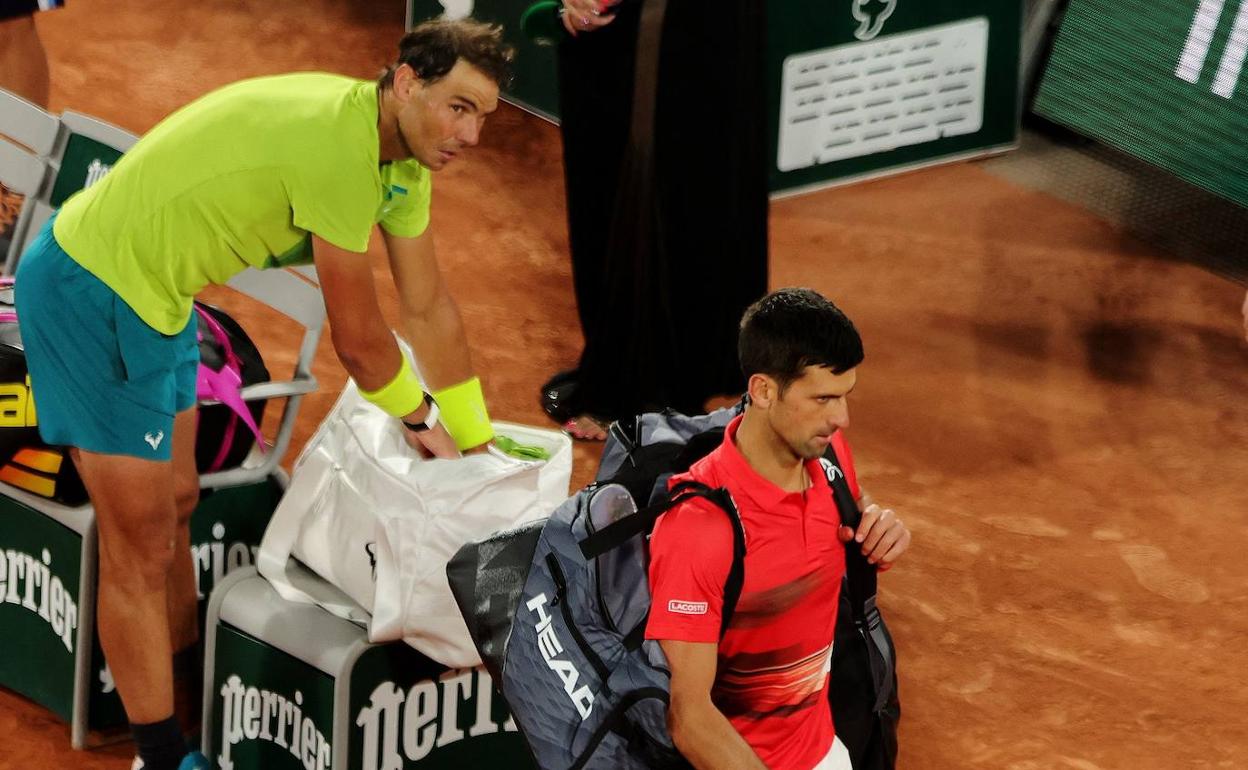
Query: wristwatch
(431, 419)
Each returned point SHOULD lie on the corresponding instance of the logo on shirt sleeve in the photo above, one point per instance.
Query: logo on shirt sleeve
(686, 608)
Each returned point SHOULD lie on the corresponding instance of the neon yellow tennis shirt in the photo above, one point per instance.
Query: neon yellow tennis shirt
(240, 178)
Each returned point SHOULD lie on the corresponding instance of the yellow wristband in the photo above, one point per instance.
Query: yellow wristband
(401, 396)
(464, 413)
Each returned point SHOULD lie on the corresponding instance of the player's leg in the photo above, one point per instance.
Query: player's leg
(136, 514)
(183, 593)
(183, 590)
(105, 383)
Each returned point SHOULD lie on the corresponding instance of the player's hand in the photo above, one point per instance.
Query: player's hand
(435, 442)
(883, 536)
(586, 15)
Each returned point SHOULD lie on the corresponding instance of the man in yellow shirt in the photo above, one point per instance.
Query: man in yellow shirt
(268, 172)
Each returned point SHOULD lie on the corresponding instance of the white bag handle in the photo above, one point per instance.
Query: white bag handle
(314, 472)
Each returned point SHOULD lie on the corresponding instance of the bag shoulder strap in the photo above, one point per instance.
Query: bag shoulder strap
(861, 586)
(736, 571)
(860, 574)
(641, 522)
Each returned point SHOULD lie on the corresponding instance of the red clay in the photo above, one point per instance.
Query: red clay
(1056, 411)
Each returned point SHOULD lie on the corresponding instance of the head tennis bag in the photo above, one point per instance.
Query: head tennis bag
(644, 452)
(558, 611)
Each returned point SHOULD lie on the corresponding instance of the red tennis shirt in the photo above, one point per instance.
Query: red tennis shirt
(775, 659)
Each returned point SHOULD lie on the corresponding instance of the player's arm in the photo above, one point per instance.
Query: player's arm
(690, 558)
(700, 730)
(362, 339)
(431, 323)
(429, 319)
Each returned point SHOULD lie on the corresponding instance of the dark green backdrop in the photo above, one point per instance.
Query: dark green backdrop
(799, 26)
(1119, 74)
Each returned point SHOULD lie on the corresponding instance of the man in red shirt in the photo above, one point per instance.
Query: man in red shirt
(758, 696)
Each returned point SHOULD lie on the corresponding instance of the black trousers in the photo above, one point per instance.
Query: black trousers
(660, 314)
(11, 9)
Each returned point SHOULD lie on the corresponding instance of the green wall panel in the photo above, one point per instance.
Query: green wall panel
(855, 87)
(1159, 79)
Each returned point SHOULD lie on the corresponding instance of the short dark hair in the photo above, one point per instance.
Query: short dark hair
(791, 329)
(433, 47)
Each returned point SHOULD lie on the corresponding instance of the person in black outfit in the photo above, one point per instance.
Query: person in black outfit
(667, 209)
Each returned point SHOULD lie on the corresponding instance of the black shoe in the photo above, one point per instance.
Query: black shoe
(559, 396)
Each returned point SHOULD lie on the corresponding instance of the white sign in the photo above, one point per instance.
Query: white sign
(894, 91)
(1200, 37)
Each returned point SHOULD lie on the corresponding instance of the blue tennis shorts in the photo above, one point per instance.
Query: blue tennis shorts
(102, 379)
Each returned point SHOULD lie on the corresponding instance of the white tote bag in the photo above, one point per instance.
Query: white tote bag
(377, 521)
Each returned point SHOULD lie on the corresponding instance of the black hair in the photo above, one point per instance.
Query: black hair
(791, 329)
(432, 48)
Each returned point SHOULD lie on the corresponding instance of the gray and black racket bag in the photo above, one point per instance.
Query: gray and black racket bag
(558, 611)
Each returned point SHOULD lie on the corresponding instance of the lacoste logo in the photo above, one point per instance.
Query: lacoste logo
(154, 438)
(871, 15)
(686, 608)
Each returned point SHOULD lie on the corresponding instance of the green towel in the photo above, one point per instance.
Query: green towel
(522, 451)
(542, 23)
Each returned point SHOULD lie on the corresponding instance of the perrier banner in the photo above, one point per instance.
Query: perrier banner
(1159, 79)
(40, 607)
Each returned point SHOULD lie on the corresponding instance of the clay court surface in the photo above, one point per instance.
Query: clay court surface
(1057, 410)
